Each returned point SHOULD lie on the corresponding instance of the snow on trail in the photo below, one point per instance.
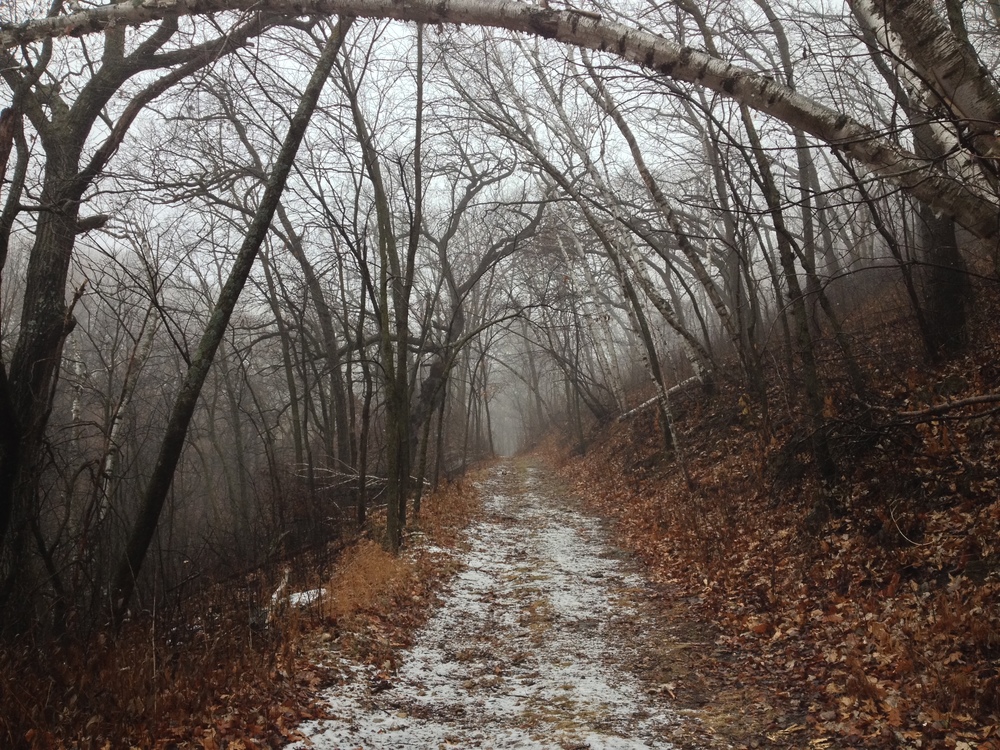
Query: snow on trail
(527, 650)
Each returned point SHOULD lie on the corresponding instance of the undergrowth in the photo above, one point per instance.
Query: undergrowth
(228, 670)
(375, 600)
(161, 683)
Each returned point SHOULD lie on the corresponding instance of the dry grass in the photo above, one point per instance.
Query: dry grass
(208, 678)
(449, 509)
(368, 579)
(375, 600)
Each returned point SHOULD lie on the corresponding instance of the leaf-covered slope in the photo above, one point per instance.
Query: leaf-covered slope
(876, 626)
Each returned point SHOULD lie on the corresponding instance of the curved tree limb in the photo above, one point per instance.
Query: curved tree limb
(975, 209)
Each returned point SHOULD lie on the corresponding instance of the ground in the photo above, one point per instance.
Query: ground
(547, 637)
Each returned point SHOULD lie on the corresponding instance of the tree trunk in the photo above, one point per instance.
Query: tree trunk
(975, 208)
(186, 400)
(945, 283)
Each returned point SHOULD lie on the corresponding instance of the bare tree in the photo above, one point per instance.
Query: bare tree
(973, 207)
(184, 405)
(65, 128)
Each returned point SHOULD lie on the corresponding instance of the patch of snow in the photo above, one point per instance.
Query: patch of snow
(305, 598)
(521, 653)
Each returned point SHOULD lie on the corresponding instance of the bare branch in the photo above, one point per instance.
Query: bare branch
(974, 208)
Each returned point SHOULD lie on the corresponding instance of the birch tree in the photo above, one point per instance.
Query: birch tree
(973, 207)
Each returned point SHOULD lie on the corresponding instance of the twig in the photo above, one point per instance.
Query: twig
(989, 398)
(912, 417)
(892, 515)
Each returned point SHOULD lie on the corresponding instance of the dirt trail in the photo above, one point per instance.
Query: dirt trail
(534, 645)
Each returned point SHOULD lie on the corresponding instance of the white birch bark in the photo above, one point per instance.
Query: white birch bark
(673, 390)
(79, 373)
(112, 445)
(921, 89)
(975, 209)
(946, 65)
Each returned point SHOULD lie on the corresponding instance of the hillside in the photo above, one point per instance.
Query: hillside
(872, 624)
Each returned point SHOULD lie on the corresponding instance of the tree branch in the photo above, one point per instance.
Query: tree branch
(974, 208)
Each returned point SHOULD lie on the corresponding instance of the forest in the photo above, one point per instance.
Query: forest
(277, 273)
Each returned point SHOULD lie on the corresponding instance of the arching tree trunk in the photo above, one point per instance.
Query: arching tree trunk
(973, 206)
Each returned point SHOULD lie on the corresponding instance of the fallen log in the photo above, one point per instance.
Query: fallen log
(681, 386)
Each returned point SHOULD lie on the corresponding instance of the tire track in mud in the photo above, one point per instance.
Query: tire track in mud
(530, 648)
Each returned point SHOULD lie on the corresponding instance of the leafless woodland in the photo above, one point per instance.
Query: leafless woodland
(271, 266)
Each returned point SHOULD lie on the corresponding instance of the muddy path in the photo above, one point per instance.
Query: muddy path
(539, 642)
